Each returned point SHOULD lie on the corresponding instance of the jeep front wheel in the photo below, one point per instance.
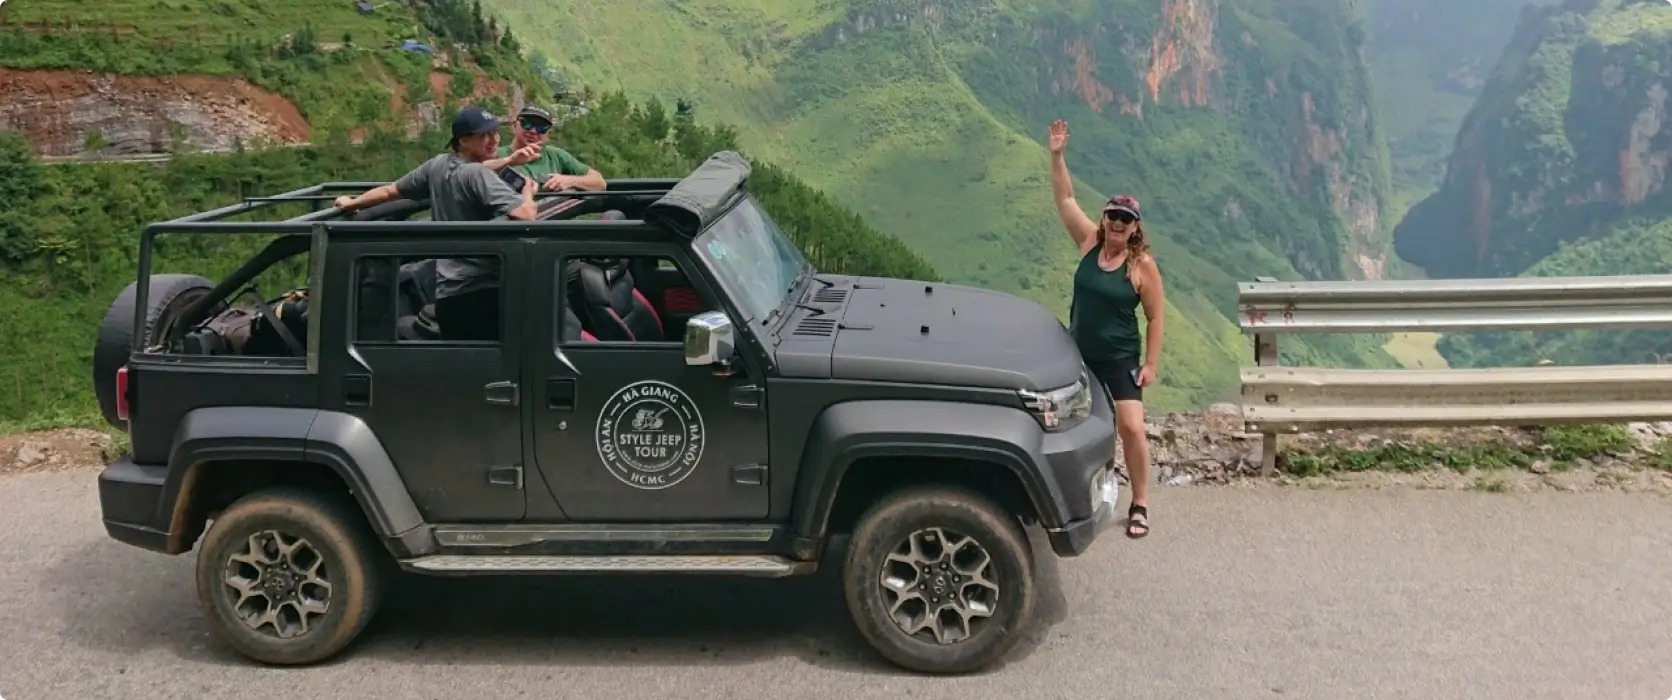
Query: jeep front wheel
(939, 579)
(288, 577)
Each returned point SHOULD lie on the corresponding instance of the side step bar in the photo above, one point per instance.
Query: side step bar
(737, 564)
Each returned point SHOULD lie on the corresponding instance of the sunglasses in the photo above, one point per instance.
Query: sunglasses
(1121, 216)
(537, 127)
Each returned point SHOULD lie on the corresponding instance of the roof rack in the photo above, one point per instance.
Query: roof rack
(683, 204)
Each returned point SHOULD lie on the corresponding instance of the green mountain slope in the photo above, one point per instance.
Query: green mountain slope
(1559, 169)
(1244, 126)
(68, 231)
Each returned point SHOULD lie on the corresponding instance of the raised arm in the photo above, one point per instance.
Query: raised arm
(1080, 227)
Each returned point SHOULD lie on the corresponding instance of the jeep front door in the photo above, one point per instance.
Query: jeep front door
(623, 429)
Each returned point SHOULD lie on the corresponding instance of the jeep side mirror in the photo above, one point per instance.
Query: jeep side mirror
(708, 339)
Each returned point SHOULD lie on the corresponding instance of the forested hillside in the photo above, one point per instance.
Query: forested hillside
(1560, 169)
(68, 231)
(1244, 126)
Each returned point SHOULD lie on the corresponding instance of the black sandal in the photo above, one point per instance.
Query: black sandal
(1142, 526)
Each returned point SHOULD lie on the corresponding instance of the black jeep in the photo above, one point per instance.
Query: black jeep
(673, 390)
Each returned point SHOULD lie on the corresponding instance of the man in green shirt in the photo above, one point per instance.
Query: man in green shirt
(528, 153)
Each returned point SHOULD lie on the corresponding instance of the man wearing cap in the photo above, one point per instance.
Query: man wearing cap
(460, 187)
(529, 154)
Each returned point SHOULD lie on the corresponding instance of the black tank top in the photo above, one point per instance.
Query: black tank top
(1103, 317)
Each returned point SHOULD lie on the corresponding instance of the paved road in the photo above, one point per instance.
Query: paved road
(1240, 593)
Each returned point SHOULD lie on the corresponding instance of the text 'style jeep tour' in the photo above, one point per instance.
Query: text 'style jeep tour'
(671, 389)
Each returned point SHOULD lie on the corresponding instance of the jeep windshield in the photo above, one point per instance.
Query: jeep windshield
(754, 257)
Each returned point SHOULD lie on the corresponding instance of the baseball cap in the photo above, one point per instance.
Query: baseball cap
(470, 121)
(1122, 202)
(536, 111)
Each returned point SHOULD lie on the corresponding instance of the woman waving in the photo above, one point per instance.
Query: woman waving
(1115, 275)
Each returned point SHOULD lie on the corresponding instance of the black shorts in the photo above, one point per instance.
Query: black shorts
(1119, 378)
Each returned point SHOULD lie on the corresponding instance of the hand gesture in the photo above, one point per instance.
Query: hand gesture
(525, 155)
(1058, 136)
(557, 181)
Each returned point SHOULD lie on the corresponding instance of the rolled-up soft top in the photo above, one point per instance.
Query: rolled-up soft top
(702, 196)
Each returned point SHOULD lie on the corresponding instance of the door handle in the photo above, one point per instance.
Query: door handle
(502, 393)
(560, 394)
(357, 390)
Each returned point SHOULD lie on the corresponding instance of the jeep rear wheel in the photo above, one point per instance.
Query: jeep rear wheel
(289, 577)
(939, 579)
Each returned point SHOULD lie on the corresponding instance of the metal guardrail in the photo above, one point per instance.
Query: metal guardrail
(1278, 399)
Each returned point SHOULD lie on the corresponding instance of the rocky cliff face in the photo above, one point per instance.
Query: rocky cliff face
(1569, 137)
(71, 113)
(59, 109)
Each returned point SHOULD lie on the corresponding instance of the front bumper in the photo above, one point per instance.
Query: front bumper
(129, 496)
(1081, 462)
(1074, 538)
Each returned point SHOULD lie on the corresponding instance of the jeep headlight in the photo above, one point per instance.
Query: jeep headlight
(1058, 409)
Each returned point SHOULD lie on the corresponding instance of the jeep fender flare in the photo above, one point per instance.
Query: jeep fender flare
(340, 441)
(848, 432)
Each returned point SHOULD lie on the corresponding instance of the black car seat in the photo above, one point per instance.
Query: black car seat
(608, 306)
(572, 330)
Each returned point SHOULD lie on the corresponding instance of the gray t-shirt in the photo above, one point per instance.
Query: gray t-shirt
(460, 189)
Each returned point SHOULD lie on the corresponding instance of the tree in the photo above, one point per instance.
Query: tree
(20, 184)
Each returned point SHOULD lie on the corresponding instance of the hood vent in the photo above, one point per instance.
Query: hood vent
(830, 296)
(816, 327)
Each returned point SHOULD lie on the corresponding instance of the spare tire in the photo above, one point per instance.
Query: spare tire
(168, 294)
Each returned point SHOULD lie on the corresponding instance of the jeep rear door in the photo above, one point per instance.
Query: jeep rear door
(446, 411)
(623, 430)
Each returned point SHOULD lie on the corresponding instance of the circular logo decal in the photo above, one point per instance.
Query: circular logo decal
(650, 435)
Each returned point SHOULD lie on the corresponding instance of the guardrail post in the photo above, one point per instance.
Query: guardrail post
(1265, 355)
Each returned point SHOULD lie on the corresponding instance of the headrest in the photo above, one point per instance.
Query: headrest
(589, 281)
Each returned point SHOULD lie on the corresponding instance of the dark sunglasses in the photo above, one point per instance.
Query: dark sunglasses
(1121, 216)
(537, 127)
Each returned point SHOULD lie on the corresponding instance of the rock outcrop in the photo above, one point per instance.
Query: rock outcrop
(1568, 136)
(60, 109)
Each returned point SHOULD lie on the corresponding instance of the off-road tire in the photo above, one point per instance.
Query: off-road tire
(334, 527)
(960, 512)
(111, 345)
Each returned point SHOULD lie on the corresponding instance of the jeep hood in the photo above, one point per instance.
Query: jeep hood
(892, 330)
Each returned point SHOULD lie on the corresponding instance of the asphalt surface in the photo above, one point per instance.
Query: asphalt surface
(1238, 593)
